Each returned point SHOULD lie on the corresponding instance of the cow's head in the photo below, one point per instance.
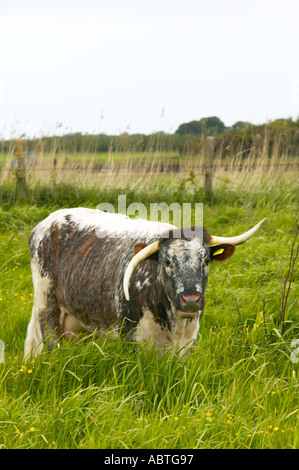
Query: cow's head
(184, 265)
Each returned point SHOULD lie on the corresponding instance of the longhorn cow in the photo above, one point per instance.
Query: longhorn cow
(97, 271)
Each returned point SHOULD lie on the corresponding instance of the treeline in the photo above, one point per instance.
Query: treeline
(189, 139)
(210, 126)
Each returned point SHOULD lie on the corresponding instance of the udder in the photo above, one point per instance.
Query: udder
(72, 327)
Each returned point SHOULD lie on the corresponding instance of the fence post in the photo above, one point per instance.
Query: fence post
(21, 185)
(209, 166)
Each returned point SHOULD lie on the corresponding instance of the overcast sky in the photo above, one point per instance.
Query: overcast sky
(145, 65)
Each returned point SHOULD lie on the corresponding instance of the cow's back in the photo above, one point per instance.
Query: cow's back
(84, 253)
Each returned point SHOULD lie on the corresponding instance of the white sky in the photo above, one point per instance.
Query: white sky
(145, 65)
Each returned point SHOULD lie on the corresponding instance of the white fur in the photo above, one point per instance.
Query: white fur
(33, 342)
(105, 224)
(116, 224)
(108, 225)
(183, 334)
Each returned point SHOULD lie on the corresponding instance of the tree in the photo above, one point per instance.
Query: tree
(192, 127)
(212, 125)
(239, 126)
(208, 126)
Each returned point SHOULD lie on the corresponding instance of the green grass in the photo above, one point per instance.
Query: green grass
(239, 389)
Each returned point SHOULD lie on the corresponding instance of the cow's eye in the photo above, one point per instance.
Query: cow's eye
(206, 262)
(169, 263)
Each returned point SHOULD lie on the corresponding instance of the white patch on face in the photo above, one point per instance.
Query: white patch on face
(194, 251)
(179, 247)
(168, 270)
(194, 244)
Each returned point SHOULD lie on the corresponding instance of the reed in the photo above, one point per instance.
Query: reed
(264, 164)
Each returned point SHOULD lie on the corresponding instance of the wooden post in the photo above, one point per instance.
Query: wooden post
(209, 166)
(21, 186)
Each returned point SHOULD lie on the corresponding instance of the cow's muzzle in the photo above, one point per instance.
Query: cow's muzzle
(189, 305)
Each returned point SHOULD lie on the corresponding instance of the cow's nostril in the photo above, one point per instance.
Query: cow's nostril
(183, 300)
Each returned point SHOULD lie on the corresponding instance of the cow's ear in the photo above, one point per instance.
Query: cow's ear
(221, 252)
(139, 246)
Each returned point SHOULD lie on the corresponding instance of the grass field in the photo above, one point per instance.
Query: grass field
(239, 389)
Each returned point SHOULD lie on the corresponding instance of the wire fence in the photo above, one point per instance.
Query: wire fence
(159, 168)
(250, 167)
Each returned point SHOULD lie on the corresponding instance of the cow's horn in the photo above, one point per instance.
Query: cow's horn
(135, 261)
(214, 240)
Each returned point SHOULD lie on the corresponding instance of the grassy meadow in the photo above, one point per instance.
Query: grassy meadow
(240, 387)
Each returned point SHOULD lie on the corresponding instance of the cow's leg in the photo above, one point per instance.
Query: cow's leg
(127, 329)
(45, 319)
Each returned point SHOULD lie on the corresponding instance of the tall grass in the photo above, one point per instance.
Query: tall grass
(264, 162)
(239, 389)
(104, 395)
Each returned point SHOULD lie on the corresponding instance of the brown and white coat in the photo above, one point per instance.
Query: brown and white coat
(79, 258)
